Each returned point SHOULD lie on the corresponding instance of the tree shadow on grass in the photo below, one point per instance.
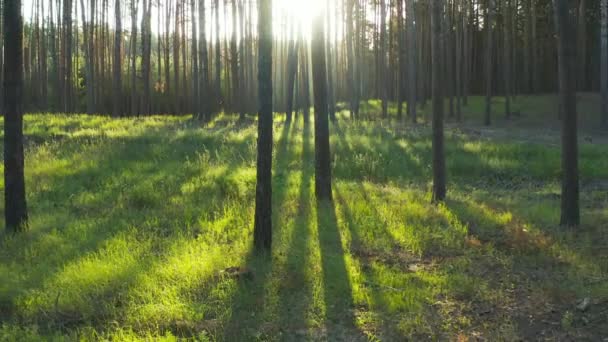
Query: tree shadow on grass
(550, 275)
(295, 291)
(253, 303)
(340, 308)
(102, 200)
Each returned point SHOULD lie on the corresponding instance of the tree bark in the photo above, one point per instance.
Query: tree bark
(117, 70)
(146, 42)
(604, 63)
(14, 179)
(322, 149)
(262, 232)
(439, 186)
(489, 63)
(566, 47)
(411, 60)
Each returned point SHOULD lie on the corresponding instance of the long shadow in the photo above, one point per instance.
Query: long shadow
(295, 292)
(252, 304)
(337, 288)
(366, 259)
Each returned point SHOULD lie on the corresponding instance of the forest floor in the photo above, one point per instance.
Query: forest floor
(141, 229)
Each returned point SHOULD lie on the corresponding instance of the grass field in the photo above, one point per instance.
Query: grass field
(142, 229)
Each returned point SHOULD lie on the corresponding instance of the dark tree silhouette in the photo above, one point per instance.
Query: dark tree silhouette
(262, 232)
(14, 180)
(322, 153)
(566, 51)
(439, 190)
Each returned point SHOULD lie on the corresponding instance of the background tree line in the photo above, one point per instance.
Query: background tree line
(143, 57)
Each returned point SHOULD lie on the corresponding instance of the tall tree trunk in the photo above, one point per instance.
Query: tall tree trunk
(146, 42)
(507, 12)
(66, 73)
(262, 232)
(322, 149)
(411, 60)
(582, 46)
(401, 57)
(134, 100)
(350, 79)
(439, 183)
(88, 29)
(604, 63)
(196, 105)
(15, 210)
(204, 62)
(331, 102)
(218, 57)
(383, 60)
(488, 61)
(117, 70)
(566, 47)
(176, 46)
(234, 64)
(292, 70)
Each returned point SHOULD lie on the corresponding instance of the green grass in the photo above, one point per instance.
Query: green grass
(133, 221)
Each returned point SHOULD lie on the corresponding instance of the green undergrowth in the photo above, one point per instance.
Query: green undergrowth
(134, 223)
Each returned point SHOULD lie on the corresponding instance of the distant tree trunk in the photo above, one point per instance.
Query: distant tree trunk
(292, 70)
(176, 46)
(458, 23)
(322, 149)
(146, 69)
(400, 38)
(218, 56)
(507, 59)
(166, 53)
(350, 79)
(305, 79)
(582, 46)
(566, 48)
(488, 61)
(411, 60)
(204, 61)
(331, 102)
(234, 64)
(15, 210)
(66, 73)
(2, 49)
(117, 70)
(604, 63)
(195, 66)
(88, 29)
(262, 232)
(134, 100)
(383, 60)
(439, 183)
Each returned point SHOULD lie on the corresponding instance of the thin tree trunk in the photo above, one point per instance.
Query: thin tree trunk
(134, 100)
(411, 68)
(204, 62)
(292, 70)
(146, 42)
(604, 63)
(439, 183)
(489, 62)
(507, 60)
(117, 70)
